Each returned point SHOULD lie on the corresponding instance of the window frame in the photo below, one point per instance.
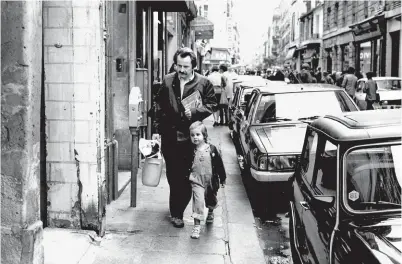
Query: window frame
(343, 172)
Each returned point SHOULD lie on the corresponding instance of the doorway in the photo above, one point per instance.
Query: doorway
(395, 36)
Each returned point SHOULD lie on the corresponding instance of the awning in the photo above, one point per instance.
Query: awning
(369, 28)
(204, 29)
(171, 6)
(290, 54)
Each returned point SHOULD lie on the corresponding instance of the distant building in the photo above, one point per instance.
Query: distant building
(311, 32)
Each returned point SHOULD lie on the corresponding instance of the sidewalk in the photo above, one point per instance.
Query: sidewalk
(144, 234)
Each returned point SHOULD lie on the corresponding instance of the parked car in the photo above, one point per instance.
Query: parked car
(389, 89)
(273, 128)
(346, 192)
(242, 91)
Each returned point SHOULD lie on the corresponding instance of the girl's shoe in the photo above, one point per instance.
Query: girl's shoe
(210, 218)
(196, 232)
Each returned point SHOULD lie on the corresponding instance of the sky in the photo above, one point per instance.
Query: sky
(253, 17)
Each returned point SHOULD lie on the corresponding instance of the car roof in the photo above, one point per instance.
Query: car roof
(361, 125)
(279, 87)
(383, 78)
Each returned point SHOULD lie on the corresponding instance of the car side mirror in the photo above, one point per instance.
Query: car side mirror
(323, 201)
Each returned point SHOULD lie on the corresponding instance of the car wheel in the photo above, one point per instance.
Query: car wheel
(293, 250)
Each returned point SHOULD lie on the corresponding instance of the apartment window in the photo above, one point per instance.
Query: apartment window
(336, 10)
(317, 25)
(312, 26)
(293, 26)
(205, 10)
(301, 25)
(328, 17)
(345, 11)
(366, 9)
(354, 11)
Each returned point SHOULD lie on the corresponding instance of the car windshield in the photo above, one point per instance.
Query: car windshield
(373, 178)
(389, 84)
(302, 105)
(243, 95)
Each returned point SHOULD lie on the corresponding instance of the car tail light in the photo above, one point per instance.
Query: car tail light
(277, 163)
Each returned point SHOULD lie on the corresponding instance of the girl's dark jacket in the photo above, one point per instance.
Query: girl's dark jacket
(218, 170)
(169, 113)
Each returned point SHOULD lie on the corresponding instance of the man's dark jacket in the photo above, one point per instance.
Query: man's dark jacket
(170, 116)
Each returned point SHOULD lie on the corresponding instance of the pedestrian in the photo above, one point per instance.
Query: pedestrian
(350, 83)
(227, 92)
(326, 78)
(218, 83)
(173, 122)
(207, 172)
(318, 74)
(370, 88)
(305, 75)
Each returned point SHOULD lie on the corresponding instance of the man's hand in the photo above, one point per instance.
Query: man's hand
(156, 137)
(187, 112)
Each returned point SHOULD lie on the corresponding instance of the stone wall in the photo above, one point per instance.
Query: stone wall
(75, 101)
(21, 55)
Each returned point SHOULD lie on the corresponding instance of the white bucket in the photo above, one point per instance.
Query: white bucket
(152, 171)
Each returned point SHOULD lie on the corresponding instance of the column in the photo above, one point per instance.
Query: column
(21, 67)
(75, 112)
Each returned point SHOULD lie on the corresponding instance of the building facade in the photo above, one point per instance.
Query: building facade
(311, 33)
(293, 57)
(67, 71)
(336, 35)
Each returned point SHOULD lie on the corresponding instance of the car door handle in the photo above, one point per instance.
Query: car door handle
(305, 205)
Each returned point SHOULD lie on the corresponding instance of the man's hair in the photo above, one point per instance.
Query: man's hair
(184, 52)
(351, 70)
(370, 75)
(199, 124)
(224, 68)
(214, 69)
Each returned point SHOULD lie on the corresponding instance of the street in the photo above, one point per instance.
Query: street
(273, 234)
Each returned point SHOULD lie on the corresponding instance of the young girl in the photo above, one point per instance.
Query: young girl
(206, 173)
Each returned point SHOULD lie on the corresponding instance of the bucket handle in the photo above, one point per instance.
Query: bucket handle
(152, 156)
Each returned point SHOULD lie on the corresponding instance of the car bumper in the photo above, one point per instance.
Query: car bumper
(266, 176)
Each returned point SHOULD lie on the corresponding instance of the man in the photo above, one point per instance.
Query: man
(318, 74)
(370, 89)
(229, 93)
(305, 75)
(326, 78)
(218, 83)
(173, 122)
(350, 83)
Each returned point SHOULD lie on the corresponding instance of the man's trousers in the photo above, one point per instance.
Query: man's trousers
(178, 158)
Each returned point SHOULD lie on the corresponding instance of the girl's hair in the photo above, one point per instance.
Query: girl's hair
(199, 124)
